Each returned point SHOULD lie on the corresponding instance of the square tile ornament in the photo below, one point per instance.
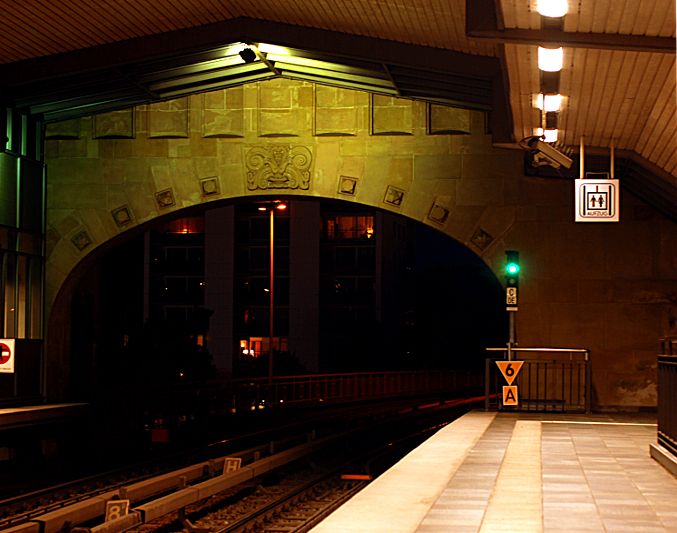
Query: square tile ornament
(394, 196)
(481, 238)
(347, 185)
(164, 198)
(81, 240)
(209, 186)
(438, 213)
(122, 216)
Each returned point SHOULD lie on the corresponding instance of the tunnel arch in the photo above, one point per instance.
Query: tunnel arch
(456, 300)
(583, 286)
(112, 172)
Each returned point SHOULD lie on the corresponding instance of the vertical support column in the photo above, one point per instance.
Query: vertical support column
(219, 272)
(271, 296)
(304, 283)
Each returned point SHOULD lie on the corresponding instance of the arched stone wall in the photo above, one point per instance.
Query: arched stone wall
(111, 172)
(608, 287)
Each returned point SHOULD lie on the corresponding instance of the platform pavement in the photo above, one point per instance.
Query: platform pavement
(521, 473)
(37, 414)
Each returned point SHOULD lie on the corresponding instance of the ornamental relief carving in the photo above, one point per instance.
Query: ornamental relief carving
(278, 166)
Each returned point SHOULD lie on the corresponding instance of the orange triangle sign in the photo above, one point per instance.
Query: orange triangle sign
(510, 369)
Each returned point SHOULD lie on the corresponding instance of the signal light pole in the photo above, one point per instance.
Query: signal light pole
(512, 271)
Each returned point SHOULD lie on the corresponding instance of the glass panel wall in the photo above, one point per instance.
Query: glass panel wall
(22, 261)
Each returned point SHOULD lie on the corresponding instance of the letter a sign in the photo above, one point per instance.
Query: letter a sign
(510, 369)
(510, 395)
(7, 356)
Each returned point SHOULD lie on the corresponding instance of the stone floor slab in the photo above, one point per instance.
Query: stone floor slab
(543, 472)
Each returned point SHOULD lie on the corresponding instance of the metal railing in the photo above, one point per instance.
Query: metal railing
(338, 388)
(667, 395)
(551, 379)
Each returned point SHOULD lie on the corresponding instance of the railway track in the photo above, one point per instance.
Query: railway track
(305, 497)
(279, 473)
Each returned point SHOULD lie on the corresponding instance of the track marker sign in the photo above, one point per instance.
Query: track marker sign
(7, 356)
(231, 464)
(116, 509)
(510, 395)
(509, 369)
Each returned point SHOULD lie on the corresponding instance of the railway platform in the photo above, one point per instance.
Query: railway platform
(521, 472)
(12, 417)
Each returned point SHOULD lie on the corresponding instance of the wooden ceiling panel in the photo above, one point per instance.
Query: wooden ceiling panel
(668, 149)
(646, 68)
(652, 17)
(520, 69)
(520, 14)
(614, 16)
(600, 15)
(609, 97)
(653, 133)
(45, 27)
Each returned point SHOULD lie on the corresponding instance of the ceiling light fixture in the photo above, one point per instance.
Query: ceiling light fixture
(548, 102)
(550, 59)
(552, 8)
(550, 136)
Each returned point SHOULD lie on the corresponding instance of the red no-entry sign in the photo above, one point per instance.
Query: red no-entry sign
(7, 355)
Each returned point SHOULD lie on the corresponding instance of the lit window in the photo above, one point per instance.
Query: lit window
(550, 59)
(186, 225)
(349, 227)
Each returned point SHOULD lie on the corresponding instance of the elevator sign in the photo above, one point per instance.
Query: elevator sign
(7, 356)
(596, 200)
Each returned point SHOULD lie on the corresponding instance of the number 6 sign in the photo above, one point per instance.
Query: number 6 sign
(509, 369)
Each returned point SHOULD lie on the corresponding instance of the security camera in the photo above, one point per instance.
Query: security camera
(544, 154)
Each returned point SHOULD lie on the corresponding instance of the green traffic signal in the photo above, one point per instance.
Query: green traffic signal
(512, 268)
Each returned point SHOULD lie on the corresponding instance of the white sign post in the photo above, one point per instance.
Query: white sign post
(7, 356)
(596, 193)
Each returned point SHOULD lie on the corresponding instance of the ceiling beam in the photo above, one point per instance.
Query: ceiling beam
(483, 22)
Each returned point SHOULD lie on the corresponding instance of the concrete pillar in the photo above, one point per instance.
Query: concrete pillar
(304, 282)
(219, 271)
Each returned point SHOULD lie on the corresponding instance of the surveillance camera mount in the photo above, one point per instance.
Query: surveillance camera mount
(543, 153)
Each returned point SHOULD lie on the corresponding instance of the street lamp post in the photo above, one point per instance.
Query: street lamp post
(271, 295)
(277, 204)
